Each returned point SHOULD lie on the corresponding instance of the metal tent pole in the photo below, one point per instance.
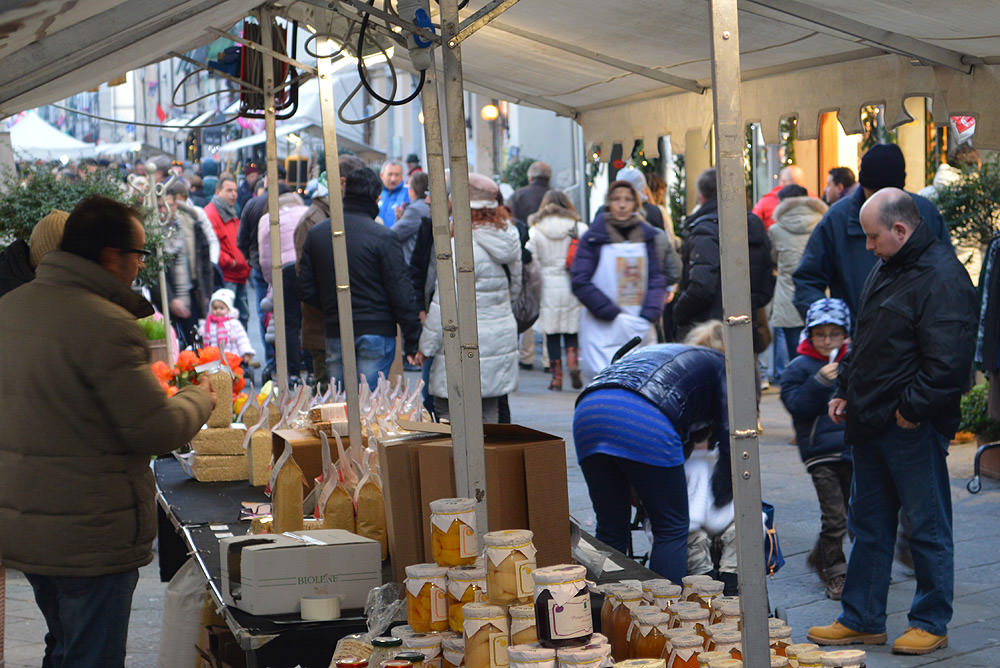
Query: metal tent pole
(324, 65)
(741, 392)
(271, 146)
(465, 405)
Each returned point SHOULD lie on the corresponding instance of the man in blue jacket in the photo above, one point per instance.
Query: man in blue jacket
(394, 192)
(835, 256)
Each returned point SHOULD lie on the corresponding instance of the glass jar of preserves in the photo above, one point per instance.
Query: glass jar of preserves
(705, 657)
(530, 656)
(649, 585)
(454, 541)
(648, 637)
(677, 608)
(685, 651)
(712, 629)
(779, 661)
(610, 592)
(641, 611)
(563, 615)
(486, 634)
(641, 663)
(688, 581)
(728, 612)
(452, 652)
(780, 638)
(415, 659)
(793, 651)
(729, 641)
(695, 620)
(383, 649)
(845, 658)
(626, 600)
(717, 604)
(706, 592)
(670, 634)
(810, 659)
(466, 584)
(510, 561)
(664, 593)
(582, 657)
(427, 598)
(522, 625)
(428, 644)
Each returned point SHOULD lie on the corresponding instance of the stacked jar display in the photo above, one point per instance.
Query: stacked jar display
(562, 606)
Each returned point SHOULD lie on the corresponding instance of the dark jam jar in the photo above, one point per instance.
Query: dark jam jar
(562, 606)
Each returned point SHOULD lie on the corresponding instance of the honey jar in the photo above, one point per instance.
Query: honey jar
(706, 592)
(649, 585)
(793, 651)
(688, 582)
(725, 663)
(670, 634)
(610, 592)
(663, 593)
(780, 638)
(621, 618)
(717, 604)
(727, 640)
(510, 561)
(530, 656)
(694, 619)
(779, 661)
(466, 584)
(454, 541)
(486, 634)
(728, 612)
(592, 656)
(677, 608)
(685, 651)
(705, 657)
(810, 659)
(845, 658)
(428, 644)
(426, 598)
(562, 606)
(648, 640)
(522, 625)
(453, 652)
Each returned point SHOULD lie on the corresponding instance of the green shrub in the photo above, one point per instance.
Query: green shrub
(975, 416)
(516, 172)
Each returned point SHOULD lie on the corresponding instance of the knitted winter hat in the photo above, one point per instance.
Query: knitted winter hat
(46, 235)
(828, 311)
(883, 166)
(635, 177)
(482, 192)
(226, 296)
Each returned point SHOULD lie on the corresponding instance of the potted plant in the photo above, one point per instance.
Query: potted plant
(976, 419)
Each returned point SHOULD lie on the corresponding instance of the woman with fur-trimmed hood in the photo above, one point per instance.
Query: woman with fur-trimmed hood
(553, 227)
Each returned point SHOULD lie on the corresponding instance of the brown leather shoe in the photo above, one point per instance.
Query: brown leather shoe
(918, 641)
(838, 634)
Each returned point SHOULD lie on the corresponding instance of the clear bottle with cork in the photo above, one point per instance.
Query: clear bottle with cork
(454, 541)
(466, 584)
(487, 635)
(510, 562)
(427, 597)
(562, 606)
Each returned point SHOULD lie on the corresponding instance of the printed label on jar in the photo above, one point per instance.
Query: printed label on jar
(480, 596)
(571, 620)
(525, 583)
(439, 605)
(468, 544)
(498, 650)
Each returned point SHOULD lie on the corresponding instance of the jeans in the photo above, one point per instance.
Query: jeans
(663, 492)
(87, 618)
(242, 305)
(833, 489)
(903, 468)
(373, 352)
(260, 291)
(552, 342)
(790, 337)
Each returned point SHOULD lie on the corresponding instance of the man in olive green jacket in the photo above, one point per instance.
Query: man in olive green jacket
(81, 415)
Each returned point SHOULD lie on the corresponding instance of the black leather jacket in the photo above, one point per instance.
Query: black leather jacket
(913, 341)
(688, 384)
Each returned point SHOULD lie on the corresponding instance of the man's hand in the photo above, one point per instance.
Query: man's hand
(837, 410)
(904, 423)
(416, 359)
(423, 317)
(178, 309)
(205, 384)
(399, 210)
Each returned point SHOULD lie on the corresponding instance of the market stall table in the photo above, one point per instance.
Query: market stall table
(202, 513)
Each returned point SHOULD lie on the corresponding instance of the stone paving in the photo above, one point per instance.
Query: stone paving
(974, 634)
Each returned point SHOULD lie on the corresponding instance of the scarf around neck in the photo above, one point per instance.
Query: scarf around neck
(226, 210)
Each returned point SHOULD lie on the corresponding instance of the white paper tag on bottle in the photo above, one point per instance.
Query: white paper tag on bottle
(498, 650)
(439, 604)
(525, 583)
(468, 542)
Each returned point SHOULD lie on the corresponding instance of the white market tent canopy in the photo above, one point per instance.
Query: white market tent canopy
(34, 139)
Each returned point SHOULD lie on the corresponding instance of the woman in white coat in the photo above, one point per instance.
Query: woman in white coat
(496, 248)
(552, 229)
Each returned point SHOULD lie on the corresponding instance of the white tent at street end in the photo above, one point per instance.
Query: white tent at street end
(34, 139)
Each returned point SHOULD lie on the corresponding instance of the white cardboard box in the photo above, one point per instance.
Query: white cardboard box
(267, 574)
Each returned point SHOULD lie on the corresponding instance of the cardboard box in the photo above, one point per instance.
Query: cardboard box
(306, 450)
(267, 574)
(526, 488)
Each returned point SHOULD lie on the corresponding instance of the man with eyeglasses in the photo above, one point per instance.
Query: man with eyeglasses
(82, 413)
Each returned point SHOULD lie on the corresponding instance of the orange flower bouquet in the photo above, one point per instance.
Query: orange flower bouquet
(189, 366)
